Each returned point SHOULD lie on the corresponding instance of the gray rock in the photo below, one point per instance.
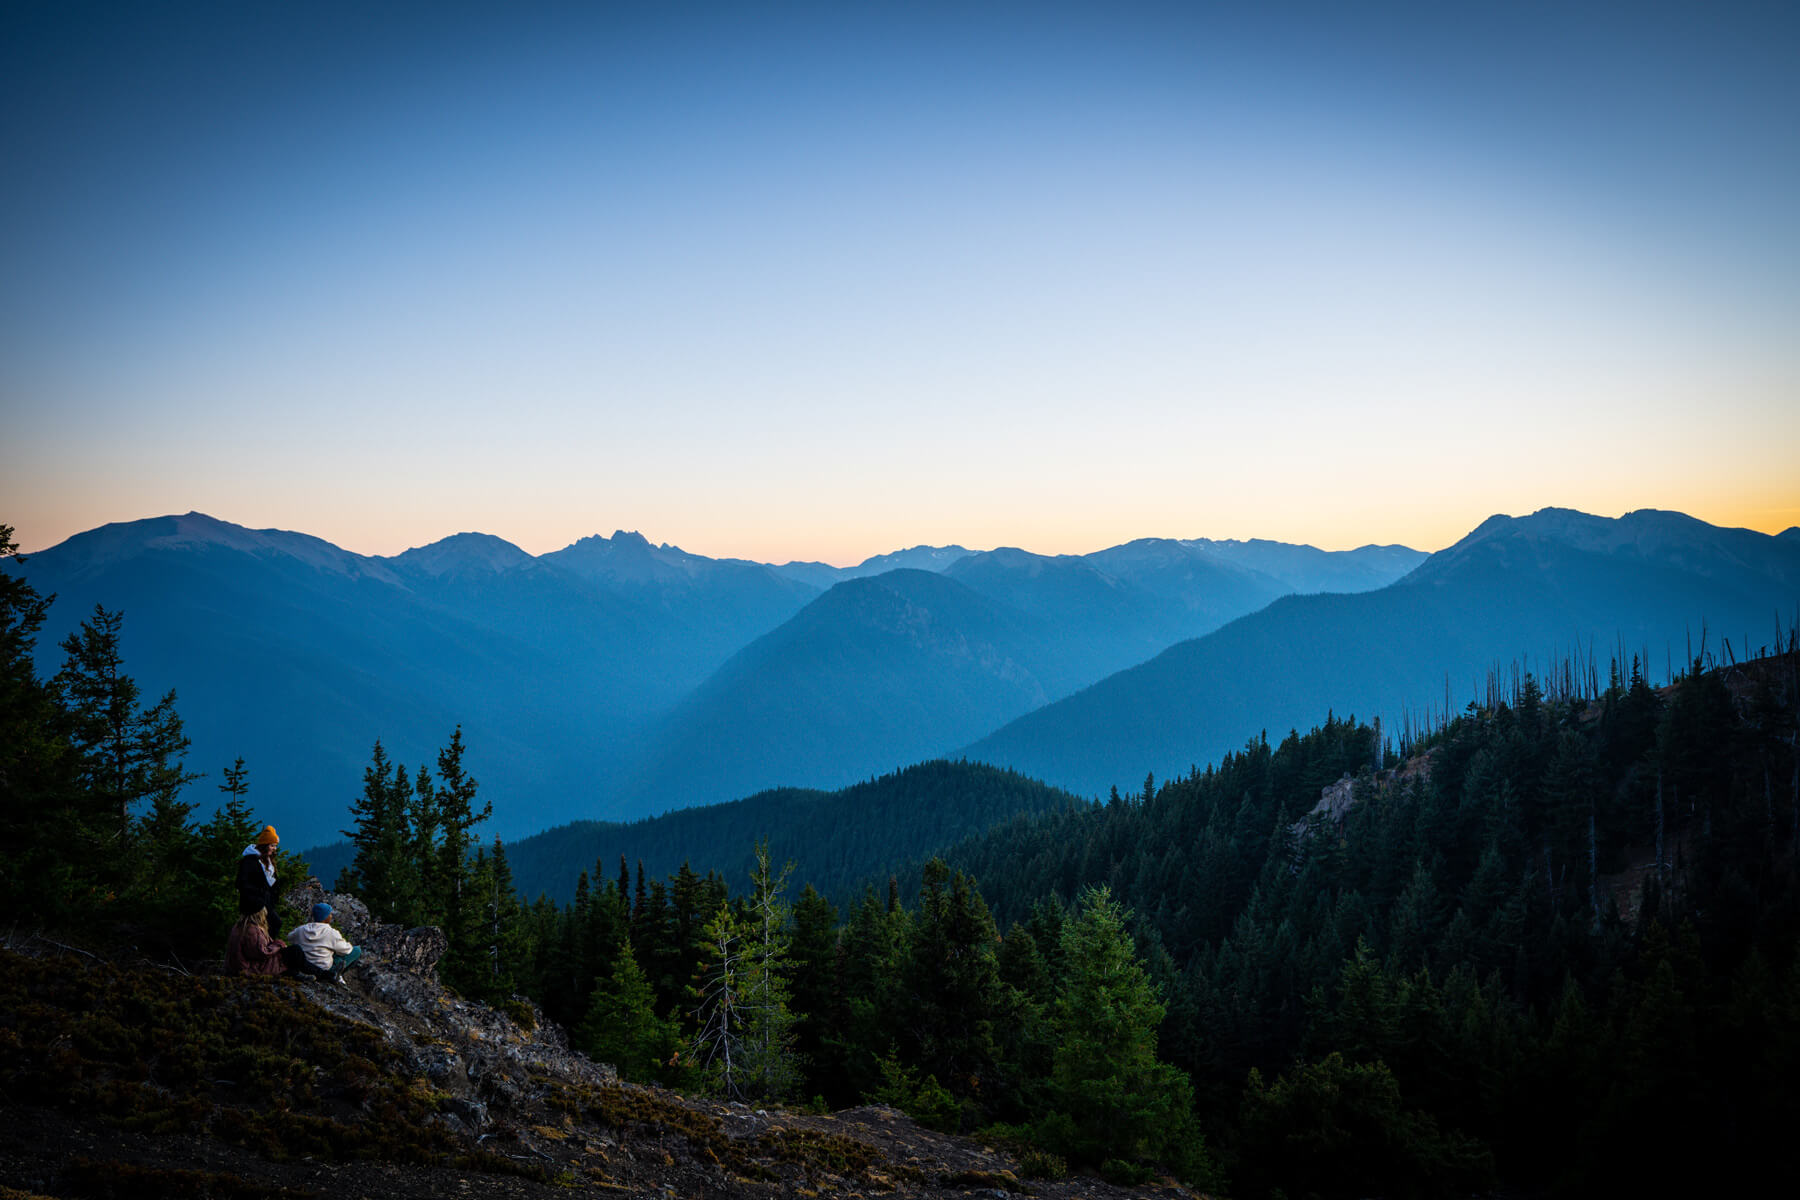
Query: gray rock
(472, 1113)
(413, 951)
(484, 1061)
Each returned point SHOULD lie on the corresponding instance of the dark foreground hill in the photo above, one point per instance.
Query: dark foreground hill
(1562, 930)
(160, 1083)
(1530, 590)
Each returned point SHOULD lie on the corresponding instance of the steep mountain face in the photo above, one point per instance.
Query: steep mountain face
(1539, 588)
(876, 673)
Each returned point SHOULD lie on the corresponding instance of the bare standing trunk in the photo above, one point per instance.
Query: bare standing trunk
(1768, 806)
(1794, 807)
(1593, 864)
(1659, 825)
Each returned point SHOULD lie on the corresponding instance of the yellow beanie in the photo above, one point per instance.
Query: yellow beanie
(268, 837)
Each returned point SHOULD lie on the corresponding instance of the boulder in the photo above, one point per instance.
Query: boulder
(415, 951)
(486, 1061)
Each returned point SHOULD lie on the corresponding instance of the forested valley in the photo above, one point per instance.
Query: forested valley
(1548, 945)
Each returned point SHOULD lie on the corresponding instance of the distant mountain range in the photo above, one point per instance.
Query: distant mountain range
(614, 677)
(1530, 589)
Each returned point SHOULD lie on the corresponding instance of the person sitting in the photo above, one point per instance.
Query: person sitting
(249, 950)
(256, 873)
(324, 952)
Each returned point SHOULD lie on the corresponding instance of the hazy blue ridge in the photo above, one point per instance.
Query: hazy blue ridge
(877, 673)
(916, 558)
(298, 655)
(838, 840)
(1532, 588)
(614, 677)
(906, 665)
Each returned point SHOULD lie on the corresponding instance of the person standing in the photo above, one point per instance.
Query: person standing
(256, 874)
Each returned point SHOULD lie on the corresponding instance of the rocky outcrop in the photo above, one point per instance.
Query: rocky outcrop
(391, 1085)
(486, 1060)
(1337, 799)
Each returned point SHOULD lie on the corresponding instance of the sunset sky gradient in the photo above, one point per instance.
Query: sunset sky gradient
(817, 281)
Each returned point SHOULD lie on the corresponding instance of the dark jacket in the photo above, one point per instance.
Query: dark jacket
(254, 889)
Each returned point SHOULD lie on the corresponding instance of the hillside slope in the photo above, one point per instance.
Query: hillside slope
(876, 673)
(138, 1079)
(837, 840)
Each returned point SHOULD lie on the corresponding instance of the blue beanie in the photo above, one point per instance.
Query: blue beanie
(321, 911)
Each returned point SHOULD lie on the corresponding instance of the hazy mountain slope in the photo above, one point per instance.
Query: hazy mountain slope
(917, 558)
(706, 609)
(1206, 591)
(837, 839)
(297, 655)
(1514, 587)
(1309, 569)
(897, 667)
(874, 674)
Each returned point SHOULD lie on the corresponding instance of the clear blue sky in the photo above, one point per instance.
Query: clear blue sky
(818, 281)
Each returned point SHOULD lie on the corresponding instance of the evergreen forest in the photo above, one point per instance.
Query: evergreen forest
(1550, 944)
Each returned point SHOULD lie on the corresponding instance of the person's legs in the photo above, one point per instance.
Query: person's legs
(306, 970)
(340, 961)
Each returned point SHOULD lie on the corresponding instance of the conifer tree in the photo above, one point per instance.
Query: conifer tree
(951, 996)
(814, 953)
(422, 870)
(457, 817)
(126, 753)
(771, 1063)
(718, 1047)
(223, 838)
(49, 831)
(1112, 1098)
(505, 942)
(381, 837)
(622, 1027)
